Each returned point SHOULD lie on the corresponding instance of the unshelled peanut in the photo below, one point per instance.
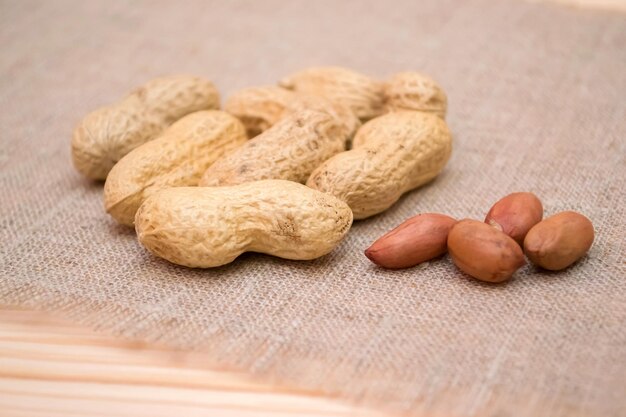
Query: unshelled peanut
(260, 108)
(104, 136)
(415, 91)
(289, 150)
(391, 155)
(204, 227)
(360, 93)
(178, 157)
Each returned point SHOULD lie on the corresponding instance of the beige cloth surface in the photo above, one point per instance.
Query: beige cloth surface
(537, 103)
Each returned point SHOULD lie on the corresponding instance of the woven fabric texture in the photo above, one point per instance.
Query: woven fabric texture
(536, 103)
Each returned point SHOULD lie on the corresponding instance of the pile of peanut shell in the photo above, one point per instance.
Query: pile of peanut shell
(490, 251)
(282, 169)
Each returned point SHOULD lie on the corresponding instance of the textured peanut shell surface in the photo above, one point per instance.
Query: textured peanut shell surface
(104, 136)
(210, 226)
(289, 150)
(391, 155)
(259, 108)
(484, 252)
(415, 91)
(344, 118)
(559, 241)
(178, 157)
(362, 94)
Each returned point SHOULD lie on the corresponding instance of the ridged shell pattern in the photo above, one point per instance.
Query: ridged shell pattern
(392, 154)
(360, 93)
(104, 136)
(415, 91)
(289, 150)
(260, 108)
(178, 157)
(211, 226)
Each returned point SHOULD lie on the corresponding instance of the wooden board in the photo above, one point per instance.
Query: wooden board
(51, 367)
(611, 5)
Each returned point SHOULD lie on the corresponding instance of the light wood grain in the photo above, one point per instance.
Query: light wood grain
(609, 5)
(51, 367)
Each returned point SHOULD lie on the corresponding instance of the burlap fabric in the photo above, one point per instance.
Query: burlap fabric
(537, 103)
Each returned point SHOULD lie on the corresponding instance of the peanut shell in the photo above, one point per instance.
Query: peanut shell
(203, 227)
(289, 150)
(260, 108)
(415, 91)
(104, 136)
(178, 157)
(391, 155)
(360, 93)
